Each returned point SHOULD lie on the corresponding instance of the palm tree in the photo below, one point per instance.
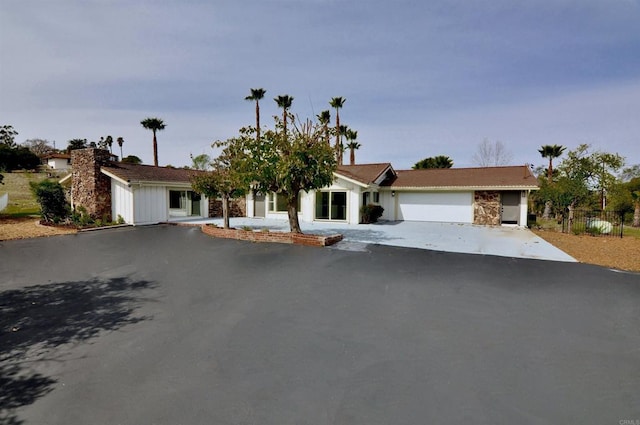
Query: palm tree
(120, 143)
(155, 125)
(341, 148)
(109, 142)
(337, 103)
(324, 118)
(551, 152)
(284, 102)
(351, 136)
(256, 95)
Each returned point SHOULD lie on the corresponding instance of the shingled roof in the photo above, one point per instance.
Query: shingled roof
(138, 173)
(363, 173)
(511, 177)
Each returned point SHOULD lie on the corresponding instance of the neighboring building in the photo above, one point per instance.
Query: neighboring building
(57, 161)
(140, 194)
(487, 195)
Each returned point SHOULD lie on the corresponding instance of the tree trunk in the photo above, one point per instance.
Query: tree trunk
(155, 149)
(636, 215)
(547, 210)
(352, 157)
(257, 121)
(225, 211)
(292, 211)
(550, 170)
(570, 221)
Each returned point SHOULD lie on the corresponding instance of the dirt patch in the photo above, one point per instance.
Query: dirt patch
(617, 253)
(28, 227)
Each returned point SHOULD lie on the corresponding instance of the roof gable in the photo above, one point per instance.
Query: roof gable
(365, 174)
(517, 177)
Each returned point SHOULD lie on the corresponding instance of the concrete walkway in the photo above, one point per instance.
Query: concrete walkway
(463, 238)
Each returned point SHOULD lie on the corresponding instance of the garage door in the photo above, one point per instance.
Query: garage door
(456, 207)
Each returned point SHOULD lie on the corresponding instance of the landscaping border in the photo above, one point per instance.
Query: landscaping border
(268, 236)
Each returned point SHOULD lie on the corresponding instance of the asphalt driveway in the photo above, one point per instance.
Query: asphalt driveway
(164, 325)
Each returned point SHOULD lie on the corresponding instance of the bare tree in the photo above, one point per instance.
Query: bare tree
(492, 154)
(40, 147)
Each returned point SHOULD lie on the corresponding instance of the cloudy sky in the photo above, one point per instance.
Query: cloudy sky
(421, 78)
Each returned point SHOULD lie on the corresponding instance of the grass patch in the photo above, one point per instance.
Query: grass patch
(633, 232)
(22, 203)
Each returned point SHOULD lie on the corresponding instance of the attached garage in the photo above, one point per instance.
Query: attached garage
(456, 207)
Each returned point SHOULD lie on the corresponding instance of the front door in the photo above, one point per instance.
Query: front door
(510, 207)
(258, 205)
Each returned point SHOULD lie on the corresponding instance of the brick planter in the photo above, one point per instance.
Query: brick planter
(276, 237)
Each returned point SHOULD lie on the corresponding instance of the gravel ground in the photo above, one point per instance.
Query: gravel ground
(617, 253)
(23, 228)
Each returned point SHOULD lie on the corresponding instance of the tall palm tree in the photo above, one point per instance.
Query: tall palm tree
(551, 152)
(343, 130)
(155, 125)
(351, 136)
(109, 142)
(337, 103)
(324, 118)
(120, 143)
(256, 95)
(284, 102)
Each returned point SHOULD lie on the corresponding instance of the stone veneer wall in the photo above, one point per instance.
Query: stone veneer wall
(487, 207)
(89, 187)
(237, 208)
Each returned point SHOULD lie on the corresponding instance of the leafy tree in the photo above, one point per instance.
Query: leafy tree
(338, 103)
(256, 95)
(630, 172)
(8, 136)
(229, 176)
(625, 197)
(120, 143)
(155, 125)
(201, 162)
(106, 143)
(74, 144)
(492, 154)
(597, 168)
(50, 196)
(17, 158)
(289, 162)
(440, 161)
(352, 145)
(131, 159)
(285, 103)
(40, 147)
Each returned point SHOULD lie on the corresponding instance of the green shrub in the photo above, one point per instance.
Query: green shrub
(50, 196)
(371, 213)
(120, 220)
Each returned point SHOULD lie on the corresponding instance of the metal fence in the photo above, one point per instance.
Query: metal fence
(595, 223)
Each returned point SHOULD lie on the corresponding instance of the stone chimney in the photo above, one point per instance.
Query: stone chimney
(89, 187)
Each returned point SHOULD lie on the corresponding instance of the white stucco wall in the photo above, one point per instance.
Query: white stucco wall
(121, 201)
(151, 204)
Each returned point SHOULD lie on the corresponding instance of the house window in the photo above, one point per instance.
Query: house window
(365, 198)
(278, 202)
(178, 199)
(376, 197)
(331, 205)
